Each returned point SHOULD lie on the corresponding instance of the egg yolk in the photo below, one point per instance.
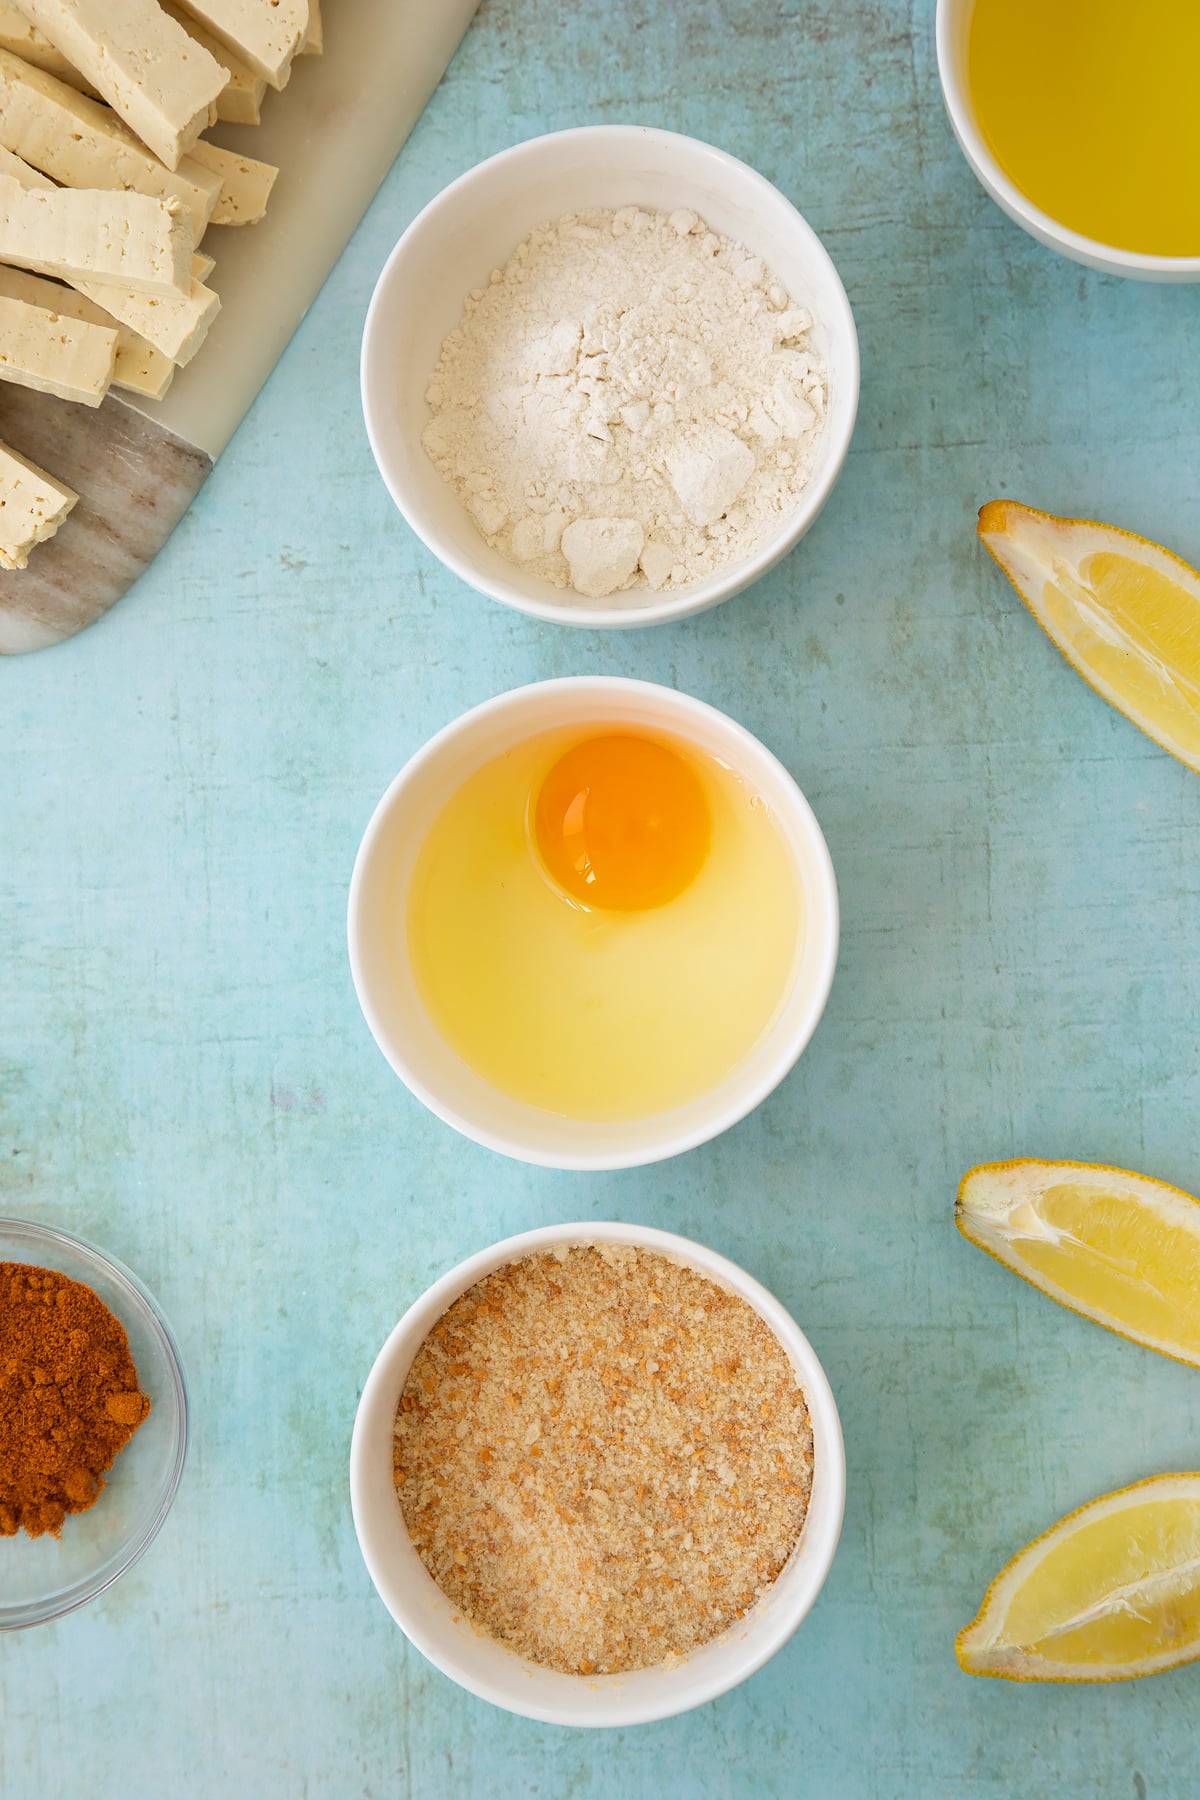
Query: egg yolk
(622, 823)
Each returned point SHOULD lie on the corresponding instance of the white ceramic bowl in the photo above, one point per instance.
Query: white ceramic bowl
(484, 1666)
(473, 226)
(387, 991)
(952, 30)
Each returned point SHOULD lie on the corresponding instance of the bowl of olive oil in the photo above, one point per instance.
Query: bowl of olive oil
(1081, 121)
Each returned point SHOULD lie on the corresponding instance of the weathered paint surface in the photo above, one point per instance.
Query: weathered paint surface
(185, 1077)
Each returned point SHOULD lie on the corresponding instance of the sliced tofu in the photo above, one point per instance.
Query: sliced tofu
(202, 266)
(264, 33)
(55, 354)
(139, 367)
(162, 82)
(176, 326)
(20, 170)
(22, 39)
(83, 144)
(133, 239)
(32, 507)
(240, 102)
(314, 43)
(245, 184)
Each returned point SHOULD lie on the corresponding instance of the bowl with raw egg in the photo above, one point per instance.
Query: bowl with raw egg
(593, 923)
(1081, 123)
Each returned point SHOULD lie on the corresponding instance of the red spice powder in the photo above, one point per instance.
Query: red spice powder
(69, 1397)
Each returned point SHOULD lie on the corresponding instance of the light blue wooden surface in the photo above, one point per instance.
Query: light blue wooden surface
(185, 1077)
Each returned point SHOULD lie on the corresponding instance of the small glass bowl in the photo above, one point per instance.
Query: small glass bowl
(44, 1577)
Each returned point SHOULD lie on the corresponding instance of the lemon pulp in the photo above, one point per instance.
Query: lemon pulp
(1079, 1606)
(1120, 1248)
(1109, 1593)
(1123, 611)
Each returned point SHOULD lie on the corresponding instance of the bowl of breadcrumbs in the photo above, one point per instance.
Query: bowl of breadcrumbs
(597, 1474)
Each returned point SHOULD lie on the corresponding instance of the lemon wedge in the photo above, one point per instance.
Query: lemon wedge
(1119, 1248)
(1110, 1592)
(1124, 612)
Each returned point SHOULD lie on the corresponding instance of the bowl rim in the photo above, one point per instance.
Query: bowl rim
(376, 1411)
(1092, 252)
(88, 1588)
(710, 590)
(740, 1106)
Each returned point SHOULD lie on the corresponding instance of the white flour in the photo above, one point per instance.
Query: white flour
(629, 403)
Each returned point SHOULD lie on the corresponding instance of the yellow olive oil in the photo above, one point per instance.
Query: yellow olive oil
(1092, 109)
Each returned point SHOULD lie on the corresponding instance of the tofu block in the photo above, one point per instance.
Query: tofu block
(32, 507)
(245, 184)
(176, 330)
(314, 43)
(133, 239)
(162, 83)
(139, 367)
(240, 101)
(20, 171)
(177, 326)
(202, 266)
(264, 33)
(55, 354)
(83, 144)
(22, 39)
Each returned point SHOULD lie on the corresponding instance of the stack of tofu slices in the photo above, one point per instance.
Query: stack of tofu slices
(107, 187)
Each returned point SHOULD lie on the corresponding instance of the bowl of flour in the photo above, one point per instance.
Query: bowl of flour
(610, 376)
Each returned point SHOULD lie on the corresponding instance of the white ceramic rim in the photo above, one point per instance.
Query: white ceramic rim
(738, 1107)
(699, 596)
(953, 17)
(377, 1515)
(89, 1588)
